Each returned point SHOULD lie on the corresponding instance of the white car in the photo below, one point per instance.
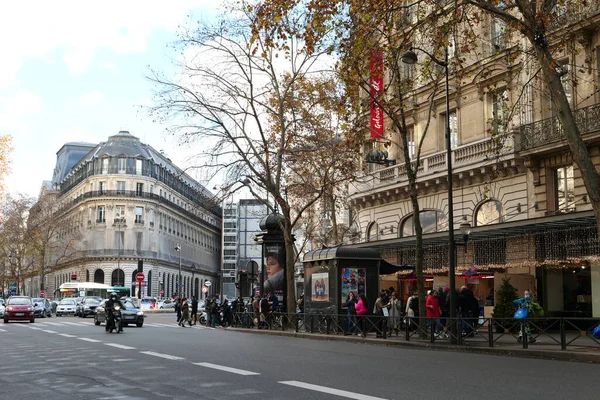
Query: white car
(66, 307)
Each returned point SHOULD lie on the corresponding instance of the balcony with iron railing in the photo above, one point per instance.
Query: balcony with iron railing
(544, 135)
(468, 157)
(570, 14)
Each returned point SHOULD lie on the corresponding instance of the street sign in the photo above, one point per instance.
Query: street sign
(207, 283)
(204, 289)
(143, 283)
(139, 276)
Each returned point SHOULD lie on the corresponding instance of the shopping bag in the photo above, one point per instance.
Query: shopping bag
(521, 313)
(597, 332)
(386, 312)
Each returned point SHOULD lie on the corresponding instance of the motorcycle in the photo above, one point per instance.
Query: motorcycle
(116, 322)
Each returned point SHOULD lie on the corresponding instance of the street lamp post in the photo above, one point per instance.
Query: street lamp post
(178, 249)
(409, 57)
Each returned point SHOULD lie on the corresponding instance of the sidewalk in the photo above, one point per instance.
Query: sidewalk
(547, 346)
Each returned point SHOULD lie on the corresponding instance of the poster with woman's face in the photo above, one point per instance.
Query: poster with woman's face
(320, 287)
(275, 270)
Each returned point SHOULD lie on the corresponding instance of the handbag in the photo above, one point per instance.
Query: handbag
(521, 313)
(597, 332)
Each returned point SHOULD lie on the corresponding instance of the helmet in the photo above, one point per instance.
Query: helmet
(113, 296)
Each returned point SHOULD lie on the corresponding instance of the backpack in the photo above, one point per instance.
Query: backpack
(414, 304)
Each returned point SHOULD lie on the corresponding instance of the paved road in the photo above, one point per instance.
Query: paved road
(71, 358)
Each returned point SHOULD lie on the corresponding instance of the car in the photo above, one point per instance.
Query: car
(148, 303)
(19, 308)
(2, 307)
(166, 303)
(134, 300)
(66, 307)
(130, 314)
(42, 308)
(88, 306)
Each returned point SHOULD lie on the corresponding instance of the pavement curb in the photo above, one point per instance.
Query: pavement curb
(500, 351)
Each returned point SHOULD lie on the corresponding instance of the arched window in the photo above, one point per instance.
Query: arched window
(87, 275)
(117, 278)
(431, 221)
(372, 232)
(98, 276)
(133, 274)
(167, 285)
(196, 286)
(489, 212)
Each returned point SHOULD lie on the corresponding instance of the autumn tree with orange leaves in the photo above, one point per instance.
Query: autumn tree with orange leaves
(262, 111)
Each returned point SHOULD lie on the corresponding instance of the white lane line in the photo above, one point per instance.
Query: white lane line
(120, 346)
(2, 330)
(65, 335)
(226, 369)
(35, 329)
(52, 323)
(325, 389)
(165, 325)
(89, 340)
(75, 324)
(161, 355)
(48, 331)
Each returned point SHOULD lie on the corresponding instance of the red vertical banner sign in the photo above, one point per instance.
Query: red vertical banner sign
(376, 83)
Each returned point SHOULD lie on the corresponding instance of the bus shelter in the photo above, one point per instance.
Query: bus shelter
(331, 274)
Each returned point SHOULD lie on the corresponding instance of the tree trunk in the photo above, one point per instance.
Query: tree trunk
(418, 254)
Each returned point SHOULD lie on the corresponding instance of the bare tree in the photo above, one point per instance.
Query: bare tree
(255, 112)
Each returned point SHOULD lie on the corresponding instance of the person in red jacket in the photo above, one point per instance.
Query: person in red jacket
(433, 310)
(362, 308)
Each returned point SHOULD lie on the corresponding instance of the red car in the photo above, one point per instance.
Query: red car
(19, 308)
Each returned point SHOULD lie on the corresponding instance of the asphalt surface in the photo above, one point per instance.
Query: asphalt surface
(68, 357)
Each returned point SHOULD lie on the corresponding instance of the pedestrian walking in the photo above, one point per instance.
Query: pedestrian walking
(264, 308)
(395, 311)
(178, 309)
(185, 313)
(362, 309)
(214, 313)
(227, 314)
(468, 307)
(412, 310)
(380, 309)
(256, 311)
(194, 315)
(352, 328)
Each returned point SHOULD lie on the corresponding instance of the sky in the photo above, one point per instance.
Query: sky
(76, 71)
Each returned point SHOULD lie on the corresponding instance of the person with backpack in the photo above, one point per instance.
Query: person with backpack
(351, 301)
(194, 315)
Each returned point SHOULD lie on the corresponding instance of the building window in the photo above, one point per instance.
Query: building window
(138, 167)
(431, 221)
(101, 187)
(453, 130)
(497, 35)
(119, 213)
(488, 213)
(499, 111)
(139, 215)
(99, 276)
(120, 187)
(565, 79)
(410, 139)
(118, 278)
(526, 105)
(139, 189)
(372, 232)
(105, 165)
(122, 165)
(100, 214)
(565, 189)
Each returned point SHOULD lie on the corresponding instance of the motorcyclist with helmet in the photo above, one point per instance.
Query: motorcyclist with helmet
(112, 302)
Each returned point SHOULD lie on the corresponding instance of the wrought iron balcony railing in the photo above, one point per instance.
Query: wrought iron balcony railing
(550, 131)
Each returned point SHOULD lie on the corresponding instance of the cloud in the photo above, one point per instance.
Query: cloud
(14, 109)
(79, 29)
(109, 66)
(92, 98)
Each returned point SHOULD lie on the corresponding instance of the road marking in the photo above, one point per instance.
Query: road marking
(120, 346)
(65, 335)
(336, 392)
(2, 330)
(161, 355)
(226, 369)
(89, 340)
(76, 324)
(52, 323)
(48, 331)
(165, 325)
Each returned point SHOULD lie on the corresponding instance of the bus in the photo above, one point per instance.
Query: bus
(83, 289)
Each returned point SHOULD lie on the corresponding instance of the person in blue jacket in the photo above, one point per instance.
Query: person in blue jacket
(532, 308)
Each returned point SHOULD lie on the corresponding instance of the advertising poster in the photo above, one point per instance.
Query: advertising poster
(353, 280)
(274, 279)
(320, 287)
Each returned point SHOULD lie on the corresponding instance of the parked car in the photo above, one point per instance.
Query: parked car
(66, 307)
(19, 308)
(166, 303)
(88, 306)
(130, 314)
(42, 307)
(148, 303)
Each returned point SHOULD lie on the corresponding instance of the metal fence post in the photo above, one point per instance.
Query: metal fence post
(407, 325)
(312, 324)
(563, 335)
(327, 324)
(524, 334)
(459, 335)
(491, 332)
(284, 319)
(431, 330)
